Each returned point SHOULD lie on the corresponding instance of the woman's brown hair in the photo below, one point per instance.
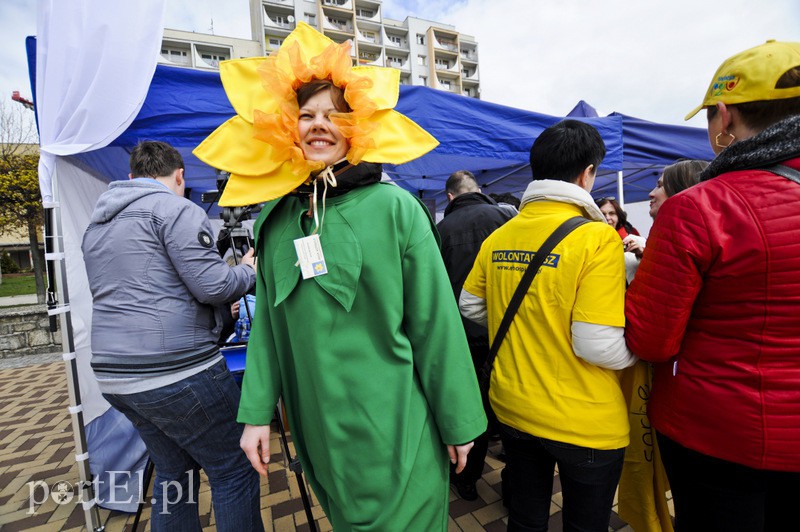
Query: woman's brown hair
(316, 86)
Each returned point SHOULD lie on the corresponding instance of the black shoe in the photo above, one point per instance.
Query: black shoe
(466, 490)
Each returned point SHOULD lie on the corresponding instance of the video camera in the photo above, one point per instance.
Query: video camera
(232, 235)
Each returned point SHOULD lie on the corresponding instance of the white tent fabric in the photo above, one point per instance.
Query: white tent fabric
(78, 200)
(94, 63)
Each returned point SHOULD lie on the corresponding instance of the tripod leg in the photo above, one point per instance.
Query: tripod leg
(294, 465)
(148, 476)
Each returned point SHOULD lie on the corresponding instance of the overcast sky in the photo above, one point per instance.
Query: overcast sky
(648, 58)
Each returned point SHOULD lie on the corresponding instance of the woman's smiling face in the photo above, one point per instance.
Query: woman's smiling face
(320, 139)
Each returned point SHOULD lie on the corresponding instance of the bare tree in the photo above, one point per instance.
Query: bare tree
(20, 199)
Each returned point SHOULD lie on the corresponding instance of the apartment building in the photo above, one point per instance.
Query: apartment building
(203, 51)
(426, 53)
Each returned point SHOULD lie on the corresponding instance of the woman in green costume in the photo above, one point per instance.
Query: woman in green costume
(355, 323)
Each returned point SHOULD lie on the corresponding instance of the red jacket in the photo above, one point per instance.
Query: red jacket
(716, 305)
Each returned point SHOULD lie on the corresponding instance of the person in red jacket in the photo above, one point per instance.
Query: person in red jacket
(715, 306)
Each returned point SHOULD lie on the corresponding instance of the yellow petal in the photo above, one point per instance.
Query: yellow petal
(249, 190)
(385, 88)
(398, 139)
(242, 85)
(310, 40)
(232, 148)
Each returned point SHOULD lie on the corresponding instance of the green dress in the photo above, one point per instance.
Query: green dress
(371, 358)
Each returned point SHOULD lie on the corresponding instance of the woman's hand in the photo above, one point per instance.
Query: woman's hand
(634, 244)
(255, 444)
(458, 455)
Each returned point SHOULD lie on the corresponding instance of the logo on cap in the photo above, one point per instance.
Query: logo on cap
(724, 83)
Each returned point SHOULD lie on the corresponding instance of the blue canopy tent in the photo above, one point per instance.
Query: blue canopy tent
(647, 148)
(493, 141)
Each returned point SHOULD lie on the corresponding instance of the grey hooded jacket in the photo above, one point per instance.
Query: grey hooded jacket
(155, 274)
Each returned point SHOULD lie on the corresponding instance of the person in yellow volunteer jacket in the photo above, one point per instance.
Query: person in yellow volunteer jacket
(554, 384)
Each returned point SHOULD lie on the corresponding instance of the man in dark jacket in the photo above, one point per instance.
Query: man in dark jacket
(155, 277)
(468, 219)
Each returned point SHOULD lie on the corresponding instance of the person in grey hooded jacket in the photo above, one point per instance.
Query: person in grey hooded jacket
(155, 277)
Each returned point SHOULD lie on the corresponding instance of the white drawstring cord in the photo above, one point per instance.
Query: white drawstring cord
(329, 179)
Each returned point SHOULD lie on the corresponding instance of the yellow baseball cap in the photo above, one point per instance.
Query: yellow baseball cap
(750, 76)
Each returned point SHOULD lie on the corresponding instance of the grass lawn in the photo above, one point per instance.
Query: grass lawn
(17, 284)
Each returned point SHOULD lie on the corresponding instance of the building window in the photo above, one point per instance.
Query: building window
(338, 23)
(395, 62)
(421, 60)
(180, 57)
(214, 59)
(368, 36)
(465, 72)
(334, 2)
(442, 64)
(280, 20)
(444, 83)
(420, 38)
(364, 13)
(367, 57)
(396, 39)
(311, 19)
(467, 92)
(275, 43)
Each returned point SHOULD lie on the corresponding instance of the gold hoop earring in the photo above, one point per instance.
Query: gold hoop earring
(716, 140)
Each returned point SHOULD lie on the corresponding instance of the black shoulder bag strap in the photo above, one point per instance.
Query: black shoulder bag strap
(789, 173)
(519, 294)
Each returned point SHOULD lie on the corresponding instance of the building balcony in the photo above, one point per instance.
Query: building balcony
(279, 22)
(370, 58)
(369, 37)
(453, 87)
(398, 63)
(470, 75)
(280, 3)
(399, 42)
(450, 68)
(469, 56)
(444, 40)
(338, 26)
(341, 4)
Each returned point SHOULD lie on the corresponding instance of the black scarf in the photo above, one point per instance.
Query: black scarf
(776, 144)
(348, 177)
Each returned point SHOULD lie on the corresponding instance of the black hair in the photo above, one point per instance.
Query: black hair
(460, 182)
(564, 150)
(152, 158)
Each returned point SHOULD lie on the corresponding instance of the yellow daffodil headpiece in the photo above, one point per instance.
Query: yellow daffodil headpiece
(260, 145)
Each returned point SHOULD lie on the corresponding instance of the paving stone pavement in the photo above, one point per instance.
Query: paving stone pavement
(36, 444)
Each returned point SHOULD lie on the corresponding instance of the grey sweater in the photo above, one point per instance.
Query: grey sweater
(155, 276)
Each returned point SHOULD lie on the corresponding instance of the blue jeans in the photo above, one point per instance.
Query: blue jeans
(589, 478)
(191, 425)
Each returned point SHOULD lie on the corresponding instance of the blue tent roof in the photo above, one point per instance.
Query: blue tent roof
(183, 106)
(648, 147)
(493, 141)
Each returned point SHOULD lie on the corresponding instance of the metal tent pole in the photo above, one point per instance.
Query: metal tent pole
(58, 306)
